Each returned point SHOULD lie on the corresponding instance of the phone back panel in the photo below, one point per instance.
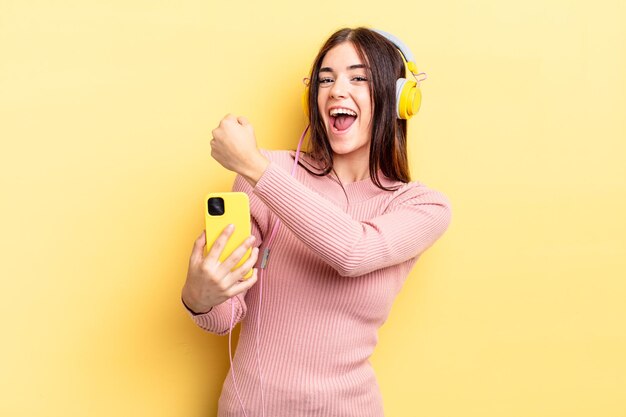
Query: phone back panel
(237, 212)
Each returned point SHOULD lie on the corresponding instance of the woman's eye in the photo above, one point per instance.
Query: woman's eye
(359, 78)
(326, 80)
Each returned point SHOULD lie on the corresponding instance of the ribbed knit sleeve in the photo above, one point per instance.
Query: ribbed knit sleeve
(414, 220)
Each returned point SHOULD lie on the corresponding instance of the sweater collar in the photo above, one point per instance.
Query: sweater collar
(355, 191)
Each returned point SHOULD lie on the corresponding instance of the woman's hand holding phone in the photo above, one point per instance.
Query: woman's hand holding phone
(211, 282)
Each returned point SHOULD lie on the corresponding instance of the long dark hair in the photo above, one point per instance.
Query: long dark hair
(388, 151)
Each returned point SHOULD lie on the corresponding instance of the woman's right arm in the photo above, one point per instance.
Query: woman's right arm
(210, 282)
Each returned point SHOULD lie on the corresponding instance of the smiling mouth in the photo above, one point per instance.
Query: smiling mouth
(342, 119)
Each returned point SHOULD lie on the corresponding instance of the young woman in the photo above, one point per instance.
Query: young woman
(352, 226)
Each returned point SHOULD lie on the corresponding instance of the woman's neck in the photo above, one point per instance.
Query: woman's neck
(349, 169)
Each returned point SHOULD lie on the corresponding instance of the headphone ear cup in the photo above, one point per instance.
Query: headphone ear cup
(408, 98)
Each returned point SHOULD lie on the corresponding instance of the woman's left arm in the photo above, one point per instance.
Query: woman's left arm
(411, 224)
(351, 247)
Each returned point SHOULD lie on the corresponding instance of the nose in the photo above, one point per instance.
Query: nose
(339, 88)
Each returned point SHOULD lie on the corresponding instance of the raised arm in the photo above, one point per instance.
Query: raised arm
(411, 223)
(405, 229)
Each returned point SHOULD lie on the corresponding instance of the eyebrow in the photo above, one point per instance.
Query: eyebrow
(351, 67)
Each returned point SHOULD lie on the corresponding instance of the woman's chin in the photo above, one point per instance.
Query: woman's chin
(346, 149)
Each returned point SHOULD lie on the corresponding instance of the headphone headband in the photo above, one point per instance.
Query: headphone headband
(408, 94)
(404, 50)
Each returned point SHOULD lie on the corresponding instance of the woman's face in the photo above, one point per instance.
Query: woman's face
(344, 101)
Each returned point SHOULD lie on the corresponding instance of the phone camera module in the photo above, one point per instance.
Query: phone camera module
(216, 206)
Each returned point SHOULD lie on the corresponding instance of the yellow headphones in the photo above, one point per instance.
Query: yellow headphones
(408, 93)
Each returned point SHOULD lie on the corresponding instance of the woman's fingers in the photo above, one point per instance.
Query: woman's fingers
(241, 272)
(198, 249)
(233, 259)
(231, 284)
(240, 286)
(210, 282)
(218, 246)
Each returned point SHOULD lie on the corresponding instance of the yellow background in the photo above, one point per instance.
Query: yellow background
(106, 109)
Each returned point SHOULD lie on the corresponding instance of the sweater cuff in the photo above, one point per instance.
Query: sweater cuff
(218, 319)
(270, 179)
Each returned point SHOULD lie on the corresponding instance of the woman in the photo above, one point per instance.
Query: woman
(353, 225)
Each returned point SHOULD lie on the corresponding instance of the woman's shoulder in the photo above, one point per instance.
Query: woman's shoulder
(416, 192)
(420, 199)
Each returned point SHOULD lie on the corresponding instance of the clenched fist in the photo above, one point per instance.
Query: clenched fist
(234, 147)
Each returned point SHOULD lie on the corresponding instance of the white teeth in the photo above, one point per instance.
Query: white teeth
(335, 112)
